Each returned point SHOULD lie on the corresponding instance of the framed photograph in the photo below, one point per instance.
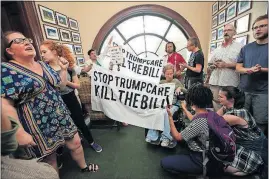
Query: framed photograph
(231, 11)
(215, 8)
(65, 35)
(47, 15)
(76, 37)
(222, 4)
(73, 24)
(213, 46)
(243, 40)
(221, 18)
(243, 6)
(61, 19)
(78, 49)
(70, 46)
(80, 61)
(51, 32)
(232, 23)
(220, 33)
(214, 35)
(219, 44)
(242, 24)
(215, 21)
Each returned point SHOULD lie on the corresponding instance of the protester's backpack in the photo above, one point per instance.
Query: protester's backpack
(221, 147)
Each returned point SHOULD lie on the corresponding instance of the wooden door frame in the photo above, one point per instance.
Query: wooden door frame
(29, 17)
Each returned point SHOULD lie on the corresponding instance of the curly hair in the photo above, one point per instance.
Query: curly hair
(61, 50)
(200, 96)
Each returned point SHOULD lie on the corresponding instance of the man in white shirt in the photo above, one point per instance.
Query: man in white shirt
(222, 65)
(95, 59)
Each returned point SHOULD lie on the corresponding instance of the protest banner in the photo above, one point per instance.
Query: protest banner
(129, 100)
(134, 66)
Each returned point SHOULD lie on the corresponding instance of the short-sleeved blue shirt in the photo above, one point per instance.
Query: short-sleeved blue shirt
(250, 55)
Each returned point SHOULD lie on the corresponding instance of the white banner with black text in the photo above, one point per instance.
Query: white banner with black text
(129, 100)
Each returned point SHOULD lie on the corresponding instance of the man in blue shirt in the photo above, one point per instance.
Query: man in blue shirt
(252, 64)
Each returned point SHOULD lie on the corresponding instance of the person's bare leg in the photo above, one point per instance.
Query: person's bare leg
(51, 160)
(77, 151)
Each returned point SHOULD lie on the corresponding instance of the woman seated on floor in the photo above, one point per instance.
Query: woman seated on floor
(251, 143)
(166, 139)
(196, 134)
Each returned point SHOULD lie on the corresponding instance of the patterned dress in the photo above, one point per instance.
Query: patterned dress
(39, 105)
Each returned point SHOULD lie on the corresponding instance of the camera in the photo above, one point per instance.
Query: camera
(181, 96)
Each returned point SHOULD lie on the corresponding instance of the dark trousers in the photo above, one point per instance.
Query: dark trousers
(73, 105)
(189, 81)
(184, 164)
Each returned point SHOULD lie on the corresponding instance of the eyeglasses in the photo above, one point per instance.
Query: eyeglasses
(259, 27)
(19, 41)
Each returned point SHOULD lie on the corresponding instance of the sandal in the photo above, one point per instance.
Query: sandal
(90, 168)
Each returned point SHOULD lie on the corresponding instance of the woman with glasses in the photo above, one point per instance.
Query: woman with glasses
(30, 92)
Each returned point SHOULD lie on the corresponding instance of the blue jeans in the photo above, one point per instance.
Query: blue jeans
(154, 134)
(183, 164)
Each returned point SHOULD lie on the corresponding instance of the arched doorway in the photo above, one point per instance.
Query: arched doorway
(145, 29)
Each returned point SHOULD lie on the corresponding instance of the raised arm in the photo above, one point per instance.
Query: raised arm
(75, 81)
(176, 135)
(63, 73)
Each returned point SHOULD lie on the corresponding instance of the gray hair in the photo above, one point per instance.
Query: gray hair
(194, 41)
(168, 66)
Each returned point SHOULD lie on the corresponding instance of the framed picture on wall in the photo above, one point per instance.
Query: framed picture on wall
(61, 19)
(65, 35)
(215, 8)
(242, 24)
(220, 33)
(51, 32)
(47, 15)
(80, 61)
(232, 23)
(231, 11)
(222, 4)
(213, 46)
(76, 37)
(215, 21)
(243, 6)
(70, 46)
(73, 24)
(221, 18)
(78, 49)
(214, 35)
(243, 40)
(219, 44)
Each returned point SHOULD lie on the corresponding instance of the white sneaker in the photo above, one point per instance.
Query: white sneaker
(147, 140)
(165, 142)
(168, 143)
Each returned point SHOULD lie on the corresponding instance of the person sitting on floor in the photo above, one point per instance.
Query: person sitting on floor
(251, 143)
(153, 135)
(196, 134)
(17, 168)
